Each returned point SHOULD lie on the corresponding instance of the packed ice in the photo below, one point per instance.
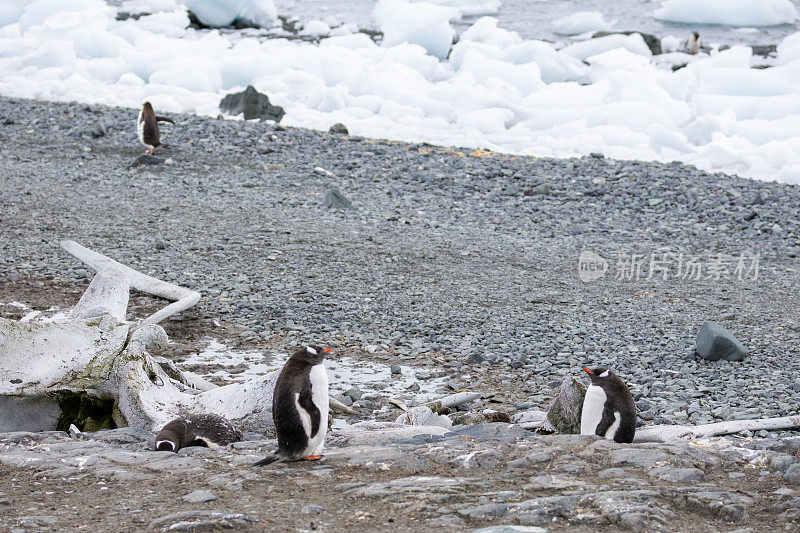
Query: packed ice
(491, 90)
(581, 22)
(728, 12)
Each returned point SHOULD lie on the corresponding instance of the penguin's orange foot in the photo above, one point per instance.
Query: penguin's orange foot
(312, 458)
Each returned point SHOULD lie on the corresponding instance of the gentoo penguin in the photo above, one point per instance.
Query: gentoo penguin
(300, 406)
(608, 407)
(147, 127)
(197, 430)
(693, 43)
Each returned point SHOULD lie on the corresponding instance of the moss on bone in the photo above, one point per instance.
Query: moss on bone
(86, 411)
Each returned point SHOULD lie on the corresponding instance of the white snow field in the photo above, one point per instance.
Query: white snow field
(494, 90)
(728, 12)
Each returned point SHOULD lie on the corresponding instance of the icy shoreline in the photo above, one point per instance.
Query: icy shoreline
(495, 91)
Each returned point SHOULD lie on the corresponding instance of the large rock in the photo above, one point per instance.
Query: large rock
(714, 342)
(565, 413)
(252, 104)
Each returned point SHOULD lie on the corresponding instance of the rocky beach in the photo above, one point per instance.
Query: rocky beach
(460, 266)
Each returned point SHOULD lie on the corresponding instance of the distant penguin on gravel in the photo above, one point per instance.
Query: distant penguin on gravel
(300, 407)
(693, 43)
(197, 430)
(147, 127)
(608, 407)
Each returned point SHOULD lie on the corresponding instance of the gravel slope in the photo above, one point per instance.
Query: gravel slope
(443, 258)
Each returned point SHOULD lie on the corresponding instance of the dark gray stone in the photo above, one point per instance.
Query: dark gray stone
(714, 342)
(339, 128)
(252, 104)
(336, 200)
(145, 159)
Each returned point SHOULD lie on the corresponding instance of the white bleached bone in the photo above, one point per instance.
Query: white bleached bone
(183, 298)
(668, 433)
(459, 398)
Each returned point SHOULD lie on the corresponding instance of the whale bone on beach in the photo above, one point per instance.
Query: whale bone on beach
(94, 369)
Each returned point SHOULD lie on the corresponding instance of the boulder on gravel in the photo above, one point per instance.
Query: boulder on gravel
(252, 104)
(565, 413)
(339, 128)
(336, 200)
(714, 342)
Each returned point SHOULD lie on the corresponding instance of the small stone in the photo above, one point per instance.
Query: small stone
(354, 393)
(160, 245)
(199, 496)
(543, 189)
(714, 342)
(145, 159)
(346, 400)
(312, 508)
(98, 130)
(336, 200)
(396, 369)
(339, 128)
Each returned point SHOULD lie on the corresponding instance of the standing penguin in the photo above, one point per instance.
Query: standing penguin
(693, 43)
(197, 430)
(608, 407)
(300, 406)
(147, 127)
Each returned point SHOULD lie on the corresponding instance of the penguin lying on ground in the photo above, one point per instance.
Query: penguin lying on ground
(147, 127)
(608, 407)
(197, 430)
(300, 407)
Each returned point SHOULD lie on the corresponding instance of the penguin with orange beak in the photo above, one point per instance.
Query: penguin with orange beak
(608, 407)
(300, 406)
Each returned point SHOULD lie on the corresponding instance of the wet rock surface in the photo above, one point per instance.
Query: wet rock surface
(466, 480)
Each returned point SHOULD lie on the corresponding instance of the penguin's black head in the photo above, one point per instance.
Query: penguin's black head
(167, 441)
(310, 354)
(599, 375)
(695, 35)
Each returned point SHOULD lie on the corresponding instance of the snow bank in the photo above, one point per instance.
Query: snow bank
(220, 13)
(728, 12)
(495, 90)
(789, 49)
(581, 22)
(422, 23)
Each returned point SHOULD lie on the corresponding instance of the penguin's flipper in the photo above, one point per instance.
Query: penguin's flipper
(306, 401)
(159, 118)
(606, 421)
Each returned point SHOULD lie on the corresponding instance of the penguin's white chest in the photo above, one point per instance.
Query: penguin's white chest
(593, 404)
(140, 129)
(319, 396)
